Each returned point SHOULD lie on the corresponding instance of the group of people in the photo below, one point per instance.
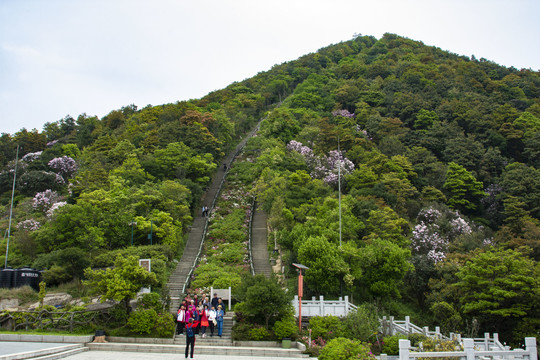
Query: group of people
(204, 313)
(204, 211)
(195, 316)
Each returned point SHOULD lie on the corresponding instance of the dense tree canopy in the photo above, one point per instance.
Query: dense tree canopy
(435, 154)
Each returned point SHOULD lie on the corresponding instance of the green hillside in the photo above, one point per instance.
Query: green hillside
(438, 156)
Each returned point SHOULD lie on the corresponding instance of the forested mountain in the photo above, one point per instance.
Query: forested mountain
(438, 156)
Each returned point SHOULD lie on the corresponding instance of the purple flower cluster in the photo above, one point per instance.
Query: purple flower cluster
(29, 225)
(64, 165)
(460, 226)
(54, 207)
(323, 167)
(343, 113)
(44, 200)
(429, 238)
(32, 156)
(51, 143)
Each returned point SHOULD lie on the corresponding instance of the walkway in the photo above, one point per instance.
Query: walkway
(117, 355)
(180, 276)
(259, 239)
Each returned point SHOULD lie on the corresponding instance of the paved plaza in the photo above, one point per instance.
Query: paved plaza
(13, 347)
(116, 355)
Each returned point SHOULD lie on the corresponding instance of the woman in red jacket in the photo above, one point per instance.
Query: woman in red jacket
(204, 320)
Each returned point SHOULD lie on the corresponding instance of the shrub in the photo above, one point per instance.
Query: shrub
(25, 294)
(327, 327)
(165, 325)
(345, 349)
(363, 323)
(119, 316)
(436, 345)
(316, 346)
(265, 301)
(416, 339)
(150, 301)
(285, 328)
(391, 344)
(56, 275)
(259, 333)
(142, 321)
(242, 331)
(226, 280)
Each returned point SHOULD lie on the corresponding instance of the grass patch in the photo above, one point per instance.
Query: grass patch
(25, 294)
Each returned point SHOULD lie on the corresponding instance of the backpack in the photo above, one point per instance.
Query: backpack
(189, 331)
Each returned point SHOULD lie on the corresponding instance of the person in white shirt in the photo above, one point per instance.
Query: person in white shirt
(180, 320)
(211, 320)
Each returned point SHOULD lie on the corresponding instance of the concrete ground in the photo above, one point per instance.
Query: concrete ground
(15, 347)
(116, 355)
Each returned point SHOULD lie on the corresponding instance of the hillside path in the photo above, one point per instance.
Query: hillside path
(180, 276)
(259, 243)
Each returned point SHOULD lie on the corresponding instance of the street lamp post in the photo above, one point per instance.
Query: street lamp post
(300, 267)
(11, 207)
(132, 224)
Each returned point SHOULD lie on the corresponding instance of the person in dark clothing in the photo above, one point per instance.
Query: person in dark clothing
(190, 337)
(222, 304)
(214, 302)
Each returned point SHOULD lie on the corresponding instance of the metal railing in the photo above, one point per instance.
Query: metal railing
(239, 149)
(250, 237)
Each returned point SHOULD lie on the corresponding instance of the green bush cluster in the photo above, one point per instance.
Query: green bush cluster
(142, 321)
(390, 344)
(258, 333)
(326, 327)
(345, 349)
(148, 321)
(151, 317)
(286, 327)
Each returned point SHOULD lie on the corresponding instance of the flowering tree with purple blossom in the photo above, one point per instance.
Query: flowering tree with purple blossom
(343, 113)
(32, 156)
(29, 225)
(323, 167)
(64, 165)
(44, 200)
(435, 230)
(55, 207)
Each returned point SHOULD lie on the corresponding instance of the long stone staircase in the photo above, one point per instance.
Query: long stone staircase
(261, 263)
(179, 278)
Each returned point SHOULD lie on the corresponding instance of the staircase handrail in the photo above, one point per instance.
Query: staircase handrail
(250, 236)
(238, 150)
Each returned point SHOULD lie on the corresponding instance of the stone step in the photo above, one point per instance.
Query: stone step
(57, 352)
(61, 355)
(208, 340)
(200, 349)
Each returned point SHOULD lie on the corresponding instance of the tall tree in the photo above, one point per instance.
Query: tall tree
(463, 189)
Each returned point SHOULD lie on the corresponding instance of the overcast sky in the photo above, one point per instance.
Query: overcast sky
(60, 57)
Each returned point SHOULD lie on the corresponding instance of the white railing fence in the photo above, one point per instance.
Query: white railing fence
(390, 326)
(321, 307)
(472, 352)
(489, 344)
